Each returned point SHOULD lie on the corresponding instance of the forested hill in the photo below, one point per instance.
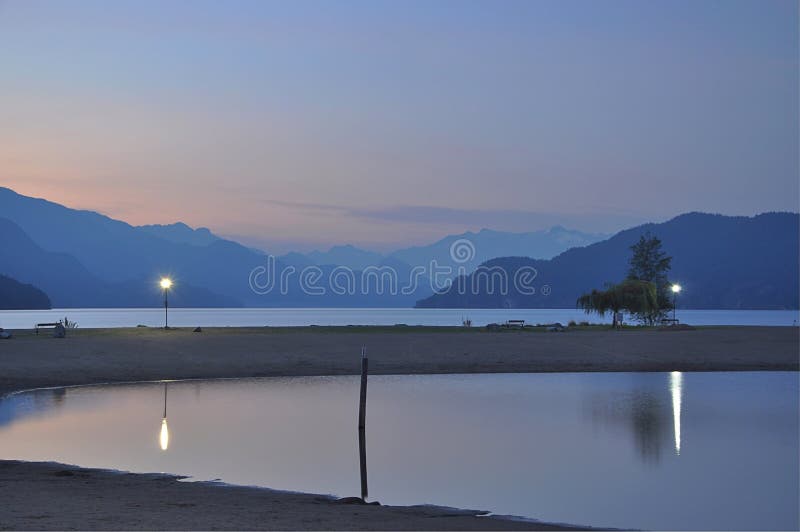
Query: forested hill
(722, 262)
(15, 295)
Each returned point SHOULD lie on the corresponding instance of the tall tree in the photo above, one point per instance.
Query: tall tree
(650, 263)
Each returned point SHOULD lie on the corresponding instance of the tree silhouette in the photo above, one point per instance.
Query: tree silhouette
(650, 263)
(632, 295)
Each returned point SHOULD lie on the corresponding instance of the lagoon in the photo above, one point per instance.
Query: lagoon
(641, 450)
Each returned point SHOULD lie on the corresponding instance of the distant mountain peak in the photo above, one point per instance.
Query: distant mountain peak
(490, 243)
(346, 247)
(180, 233)
(345, 255)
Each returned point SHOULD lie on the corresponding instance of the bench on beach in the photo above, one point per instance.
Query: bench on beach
(45, 326)
(59, 331)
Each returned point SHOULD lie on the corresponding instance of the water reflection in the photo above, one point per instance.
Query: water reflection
(19, 406)
(643, 411)
(650, 424)
(676, 390)
(597, 449)
(163, 438)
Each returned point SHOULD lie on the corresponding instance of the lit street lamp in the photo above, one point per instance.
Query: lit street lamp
(676, 289)
(166, 284)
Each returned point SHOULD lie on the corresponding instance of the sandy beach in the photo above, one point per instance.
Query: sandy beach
(52, 496)
(89, 356)
(44, 496)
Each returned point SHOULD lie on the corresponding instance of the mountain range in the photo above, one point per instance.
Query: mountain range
(481, 246)
(487, 244)
(68, 283)
(84, 259)
(722, 262)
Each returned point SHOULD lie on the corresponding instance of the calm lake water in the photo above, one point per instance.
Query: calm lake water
(655, 451)
(186, 317)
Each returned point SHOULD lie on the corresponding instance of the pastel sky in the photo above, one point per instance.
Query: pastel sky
(380, 123)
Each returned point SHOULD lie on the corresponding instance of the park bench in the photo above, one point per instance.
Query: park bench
(515, 323)
(46, 325)
(670, 321)
(59, 330)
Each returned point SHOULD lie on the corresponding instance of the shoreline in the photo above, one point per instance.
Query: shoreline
(88, 356)
(55, 496)
(45, 495)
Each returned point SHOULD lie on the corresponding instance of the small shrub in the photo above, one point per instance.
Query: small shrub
(68, 324)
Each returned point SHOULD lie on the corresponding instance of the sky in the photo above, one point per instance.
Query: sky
(302, 124)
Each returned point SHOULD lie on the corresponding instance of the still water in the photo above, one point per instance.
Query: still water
(656, 450)
(258, 317)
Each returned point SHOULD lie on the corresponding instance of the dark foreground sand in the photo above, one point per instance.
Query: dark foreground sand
(52, 496)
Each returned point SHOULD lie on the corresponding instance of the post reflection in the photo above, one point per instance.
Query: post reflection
(676, 390)
(164, 435)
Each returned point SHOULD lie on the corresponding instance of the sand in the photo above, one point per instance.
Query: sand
(91, 356)
(52, 496)
(42, 496)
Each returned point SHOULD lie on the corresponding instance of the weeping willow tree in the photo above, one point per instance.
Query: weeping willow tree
(632, 296)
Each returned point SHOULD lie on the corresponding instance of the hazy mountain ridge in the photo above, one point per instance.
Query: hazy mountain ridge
(180, 233)
(85, 259)
(69, 284)
(20, 296)
(722, 262)
(346, 255)
(488, 244)
(116, 252)
(111, 249)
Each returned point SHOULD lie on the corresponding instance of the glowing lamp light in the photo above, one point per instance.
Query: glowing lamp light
(676, 288)
(166, 284)
(164, 436)
(676, 390)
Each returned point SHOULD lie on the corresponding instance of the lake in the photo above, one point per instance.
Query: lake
(642, 450)
(257, 317)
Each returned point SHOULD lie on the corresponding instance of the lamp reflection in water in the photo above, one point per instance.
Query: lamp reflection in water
(676, 390)
(164, 436)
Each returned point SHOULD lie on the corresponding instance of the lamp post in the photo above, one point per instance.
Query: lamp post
(676, 289)
(166, 284)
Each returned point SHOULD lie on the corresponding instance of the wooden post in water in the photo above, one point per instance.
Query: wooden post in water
(362, 417)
